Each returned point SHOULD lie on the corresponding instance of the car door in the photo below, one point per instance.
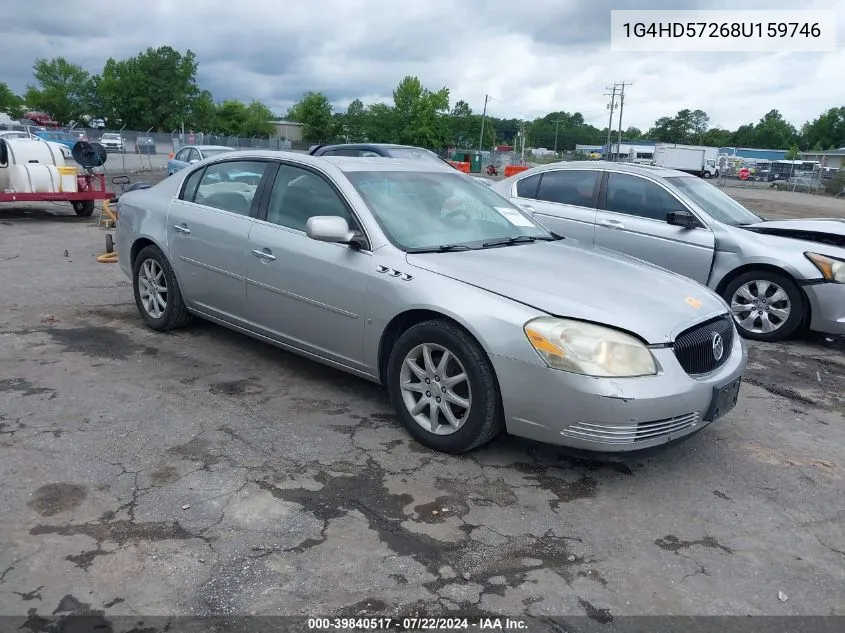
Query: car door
(180, 161)
(207, 235)
(306, 293)
(563, 200)
(632, 219)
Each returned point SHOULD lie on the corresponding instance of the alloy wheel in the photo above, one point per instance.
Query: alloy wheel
(435, 389)
(152, 287)
(761, 306)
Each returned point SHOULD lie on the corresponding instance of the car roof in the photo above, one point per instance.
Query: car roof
(344, 163)
(632, 168)
(368, 146)
(231, 149)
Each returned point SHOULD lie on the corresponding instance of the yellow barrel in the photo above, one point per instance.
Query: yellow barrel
(67, 179)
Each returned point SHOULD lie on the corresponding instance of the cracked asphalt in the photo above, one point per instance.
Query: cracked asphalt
(203, 473)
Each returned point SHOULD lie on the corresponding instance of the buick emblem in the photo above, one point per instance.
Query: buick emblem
(718, 346)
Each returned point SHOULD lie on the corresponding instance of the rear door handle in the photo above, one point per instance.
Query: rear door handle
(264, 255)
(612, 224)
(181, 228)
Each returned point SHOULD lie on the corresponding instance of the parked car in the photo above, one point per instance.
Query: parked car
(16, 134)
(412, 275)
(145, 145)
(55, 136)
(375, 150)
(112, 141)
(20, 134)
(777, 276)
(191, 154)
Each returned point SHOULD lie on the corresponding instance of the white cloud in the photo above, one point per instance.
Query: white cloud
(531, 58)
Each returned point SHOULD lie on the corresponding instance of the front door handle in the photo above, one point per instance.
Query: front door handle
(264, 255)
(181, 228)
(612, 224)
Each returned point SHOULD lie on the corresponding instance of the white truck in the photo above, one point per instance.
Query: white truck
(693, 159)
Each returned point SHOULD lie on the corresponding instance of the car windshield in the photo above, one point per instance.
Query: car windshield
(424, 211)
(412, 152)
(711, 199)
(214, 152)
(111, 137)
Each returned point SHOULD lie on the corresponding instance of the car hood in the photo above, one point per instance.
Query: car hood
(583, 282)
(822, 230)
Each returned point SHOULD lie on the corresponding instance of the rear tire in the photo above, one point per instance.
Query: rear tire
(472, 401)
(779, 301)
(83, 208)
(149, 270)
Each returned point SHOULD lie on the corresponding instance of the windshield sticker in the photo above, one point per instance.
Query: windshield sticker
(514, 217)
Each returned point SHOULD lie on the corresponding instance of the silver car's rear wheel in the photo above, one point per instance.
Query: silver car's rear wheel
(435, 389)
(152, 286)
(766, 305)
(157, 292)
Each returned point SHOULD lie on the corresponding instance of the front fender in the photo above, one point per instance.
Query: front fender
(495, 322)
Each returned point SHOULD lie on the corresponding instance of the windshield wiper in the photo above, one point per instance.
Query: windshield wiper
(516, 239)
(443, 248)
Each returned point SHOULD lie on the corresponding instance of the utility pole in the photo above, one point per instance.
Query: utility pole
(621, 105)
(522, 133)
(557, 122)
(610, 106)
(483, 117)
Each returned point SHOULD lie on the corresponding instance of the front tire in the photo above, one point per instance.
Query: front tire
(767, 306)
(443, 388)
(157, 293)
(83, 208)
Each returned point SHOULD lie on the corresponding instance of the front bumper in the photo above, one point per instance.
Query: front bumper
(610, 414)
(827, 307)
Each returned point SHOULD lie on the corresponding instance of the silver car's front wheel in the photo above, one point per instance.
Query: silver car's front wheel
(766, 306)
(443, 387)
(435, 389)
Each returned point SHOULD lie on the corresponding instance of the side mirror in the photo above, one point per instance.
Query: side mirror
(193, 161)
(329, 228)
(682, 218)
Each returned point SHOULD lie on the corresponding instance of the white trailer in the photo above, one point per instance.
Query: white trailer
(693, 159)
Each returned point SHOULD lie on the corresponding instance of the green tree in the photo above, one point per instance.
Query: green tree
(203, 116)
(354, 121)
(792, 152)
(420, 114)
(380, 123)
(314, 111)
(10, 103)
(828, 130)
(156, 88)
(61, 89)
(774, 132)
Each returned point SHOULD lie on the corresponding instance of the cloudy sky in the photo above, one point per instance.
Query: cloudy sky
(531, 57)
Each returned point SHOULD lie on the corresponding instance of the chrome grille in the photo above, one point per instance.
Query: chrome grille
(632, 433)
(694, 347)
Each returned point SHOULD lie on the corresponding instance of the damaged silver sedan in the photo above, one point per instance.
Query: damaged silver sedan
(777, 276)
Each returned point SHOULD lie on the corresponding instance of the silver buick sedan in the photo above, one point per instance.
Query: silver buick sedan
(777, 276)
(473, 316)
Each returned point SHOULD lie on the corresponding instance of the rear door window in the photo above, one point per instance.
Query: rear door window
(527, 187)
(569, 186)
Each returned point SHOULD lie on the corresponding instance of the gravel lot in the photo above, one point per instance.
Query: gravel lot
(201, 472)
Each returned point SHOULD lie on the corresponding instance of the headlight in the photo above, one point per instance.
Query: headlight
(831, 268)
(588, 349)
